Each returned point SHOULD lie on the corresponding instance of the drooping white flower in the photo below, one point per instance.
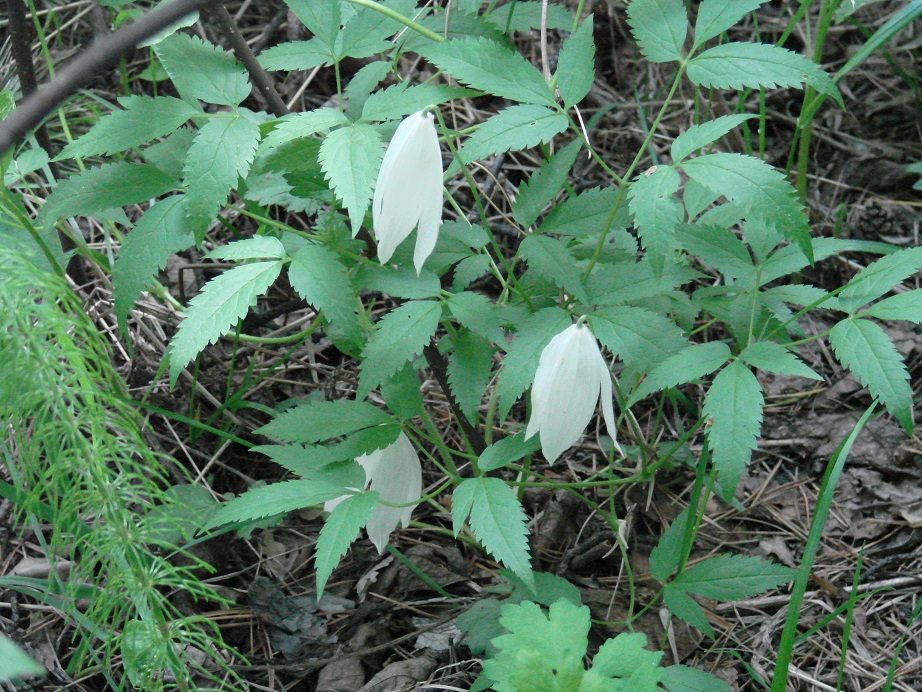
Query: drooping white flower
(571, 376)
(408, 193)
(396, 475)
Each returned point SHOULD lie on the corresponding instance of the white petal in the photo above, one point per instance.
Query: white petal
(397, 479)
(430, 199)
(608, 410)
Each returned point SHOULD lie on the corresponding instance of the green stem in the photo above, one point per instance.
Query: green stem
(396, 16)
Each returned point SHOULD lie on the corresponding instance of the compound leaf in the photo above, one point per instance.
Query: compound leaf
(470, 367)
(773, 357)
(350, 158)
(339, 530)
(322, 420)
(656, 212)
(732, 577)
(904, 306)
(716, 16)
(321, 279)
(277, 498)
(668, 551)
(544, 184)
(687, 365)
(203, 71)
(660, 27)
(879, 277)
(698, 136)
(517, 127)
(576, 65)
(550, 259)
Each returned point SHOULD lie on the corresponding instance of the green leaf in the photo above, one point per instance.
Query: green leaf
(716, 16)
(321, 17)
(514, 128)
(321, 279)
(103, 188)
(470, 269)
(14, 663)
(161, 231)
(526, 14)
(350, 158)
(879, 277)
(521, 361)
(718, 248)
(660, 27)
(641, 338)
(679, 678)
(487, 66)
(478, 313)
(203, 71)
(142, 119)
(586, 214)
(626, 658)
(864, 348)
(257, 247)
(668, 551)
(544, 184)
(755, 65)
(339, 530)
(904, 306)
(224, 301)
(497, 520)
(366, 32)
(402, 393)
(733, 577)
(399, 337)
(685, 366)
(773, 357)
(399, 282)
(322, 420)
(686, 608)
(550, 259)
(656, 212)
(170, 154)
(576, 65)
(758, 188)
(470, 367)
(507, 450)
(362, 84)
(698, 136)
(220, 155)
(297, 55)
(402, 99)
(734, 406)
(277, 498)
(299, 125)
(480, 624)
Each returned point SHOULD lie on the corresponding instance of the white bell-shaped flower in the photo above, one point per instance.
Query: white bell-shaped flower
(396, 475)
(571, 376)
(408, 193)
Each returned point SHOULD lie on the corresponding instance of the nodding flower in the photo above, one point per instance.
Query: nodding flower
(396, 475)
(408, 193)
(571, 377)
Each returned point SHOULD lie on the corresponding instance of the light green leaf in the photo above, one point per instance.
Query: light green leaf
(321, 17)
(323, 420)
(660, 27)
(339, 530)
(755, 65)
(734, 406)
(514, 128)
(773, 357)
(142, 119)
(257, 247)
(470, 367)
(668, 551)
(733, 577)
(350, 158)
(399, 337)
(497, 520)
(402, 99)
(544, 184)
(470, 269)
(718, 248)
(697, 198)
(526, 14)
(161, 231)
(105, 187)
(170, 154)
(879, 277)
(203, 71)
(576, 65)
(362, 84)
(220, 155)
(586, 214)
(864, 348)
(298, 125)
(507, 450)
(688, 365)
(626, 658)
(402, 393)
(679, 678)
(487, 66)
(399, 282)
(15, 663)
(224, 301)
(321, 279)
(698, 136)
(297, 55)
(277, 498)
(478, 313)
(366, 32)
(716, 16)
(686, 608)
(904, 306)
(656, 212)
(550, 259)
(641, 338)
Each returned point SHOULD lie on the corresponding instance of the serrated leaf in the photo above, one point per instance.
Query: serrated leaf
(716, 16)
(161, 231)
(550, 259)
(507, 450)
(758, 188)
(732, 577)
(203, 71)
(641, 338)
(339, 530)
(224, 301)
(170, 154)
(220, 155)
(399, 337)
(470, 367)
(521, 361)
(321, 17)
(297, 55)
(350, 158)
(497, 520)
(514, 128)
(487, 66)
(585, 214)
(686, 609)
(366, 33)
(879, 277)
(299, 125)
(105, 187)
(480, 625)
(864, 348)
(756, 65)
(362, 84)
(688, 365)
(257, 247)
(402, 393)
(478, 313)
(660, 27)
(679, 678)
(718, 248)
(322, 420)
(402, 99)
(626, 658)
(321, 279)
(544, 184)
(141, 119)
(698, 136)
(470, 269)
(526, 14)
(576, 65)
(399, 282)
(656, 212)
(277, 498)
(904, 306)
(734, 406)
(773, 357)
(667, 554)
